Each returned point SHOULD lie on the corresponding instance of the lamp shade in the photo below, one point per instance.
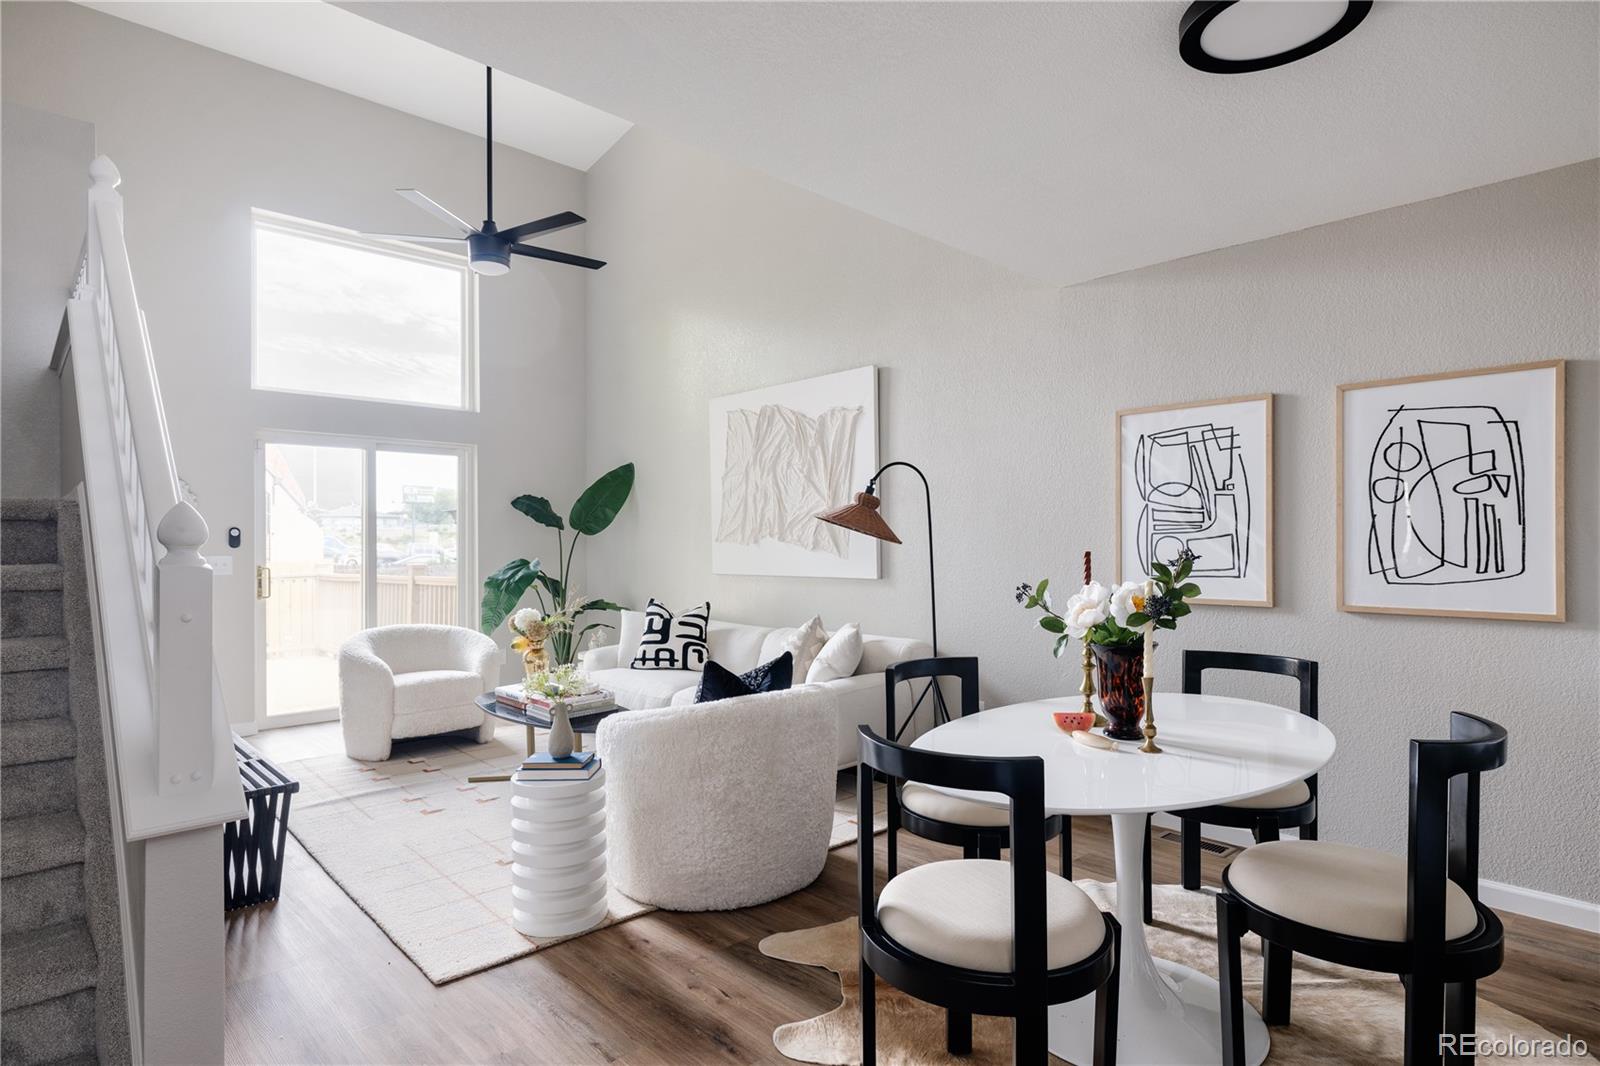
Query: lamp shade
(862, 517)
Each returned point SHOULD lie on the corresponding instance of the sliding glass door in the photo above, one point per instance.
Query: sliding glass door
(352, 533)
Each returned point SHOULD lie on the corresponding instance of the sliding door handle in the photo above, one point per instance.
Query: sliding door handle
(263, 582)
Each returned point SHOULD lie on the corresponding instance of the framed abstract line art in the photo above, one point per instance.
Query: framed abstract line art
(1199, 476)
(780, 456)
(1451, 494)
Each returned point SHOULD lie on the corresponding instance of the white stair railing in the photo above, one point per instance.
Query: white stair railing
(173, 780)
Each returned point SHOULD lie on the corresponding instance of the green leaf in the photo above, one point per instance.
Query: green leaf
(1191, 589)
(1044, 583)
(1160, 570)
(1051, 624)
(1137, 620)
(578, 640)
(502, 589)
(1167, 623)
(552, 584)
(1181, 609)
(1061, 644)
(538, 508)
(600, 502)
(602, 605)
(1183, 570)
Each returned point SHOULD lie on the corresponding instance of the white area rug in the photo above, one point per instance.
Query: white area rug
(426, 854)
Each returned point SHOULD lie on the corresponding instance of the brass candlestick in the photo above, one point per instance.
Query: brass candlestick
(1087, 688)
(1149, 746)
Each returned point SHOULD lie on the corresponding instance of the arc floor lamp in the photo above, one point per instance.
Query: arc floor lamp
(861, 516)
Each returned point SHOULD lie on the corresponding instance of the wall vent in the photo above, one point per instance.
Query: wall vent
(1224, 850)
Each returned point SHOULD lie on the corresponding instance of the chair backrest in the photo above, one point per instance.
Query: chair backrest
(962, 667)
(1443, 833)
(1020, 779)
(1196, 663)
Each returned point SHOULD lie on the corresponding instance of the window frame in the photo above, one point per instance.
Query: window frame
(260, 219)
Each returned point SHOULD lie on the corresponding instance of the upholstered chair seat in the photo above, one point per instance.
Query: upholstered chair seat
(1340, 888)
(958, 912)
(1290, 795)
(931, 803)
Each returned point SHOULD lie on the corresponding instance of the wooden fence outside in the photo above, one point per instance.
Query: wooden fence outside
(313, 612)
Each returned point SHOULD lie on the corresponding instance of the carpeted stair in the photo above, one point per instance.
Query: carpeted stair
(61, 967)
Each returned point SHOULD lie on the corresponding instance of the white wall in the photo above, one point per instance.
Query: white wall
(201, 138)
(1004, 390)
(43, 162)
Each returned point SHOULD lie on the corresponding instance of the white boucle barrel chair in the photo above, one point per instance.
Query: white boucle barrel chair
(413, 681)
(713, 806)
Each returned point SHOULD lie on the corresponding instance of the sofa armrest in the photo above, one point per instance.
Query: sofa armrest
(602, 658)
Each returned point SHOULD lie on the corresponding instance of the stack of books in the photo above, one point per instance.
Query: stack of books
(588, 703)
(579, 766)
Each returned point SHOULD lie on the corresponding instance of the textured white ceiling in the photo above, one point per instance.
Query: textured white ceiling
(321, 43)
(1067, 141)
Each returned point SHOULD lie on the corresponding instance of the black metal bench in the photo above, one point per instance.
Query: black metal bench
(252, 848)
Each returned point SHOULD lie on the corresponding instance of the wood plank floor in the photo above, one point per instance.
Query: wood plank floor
(312, 980)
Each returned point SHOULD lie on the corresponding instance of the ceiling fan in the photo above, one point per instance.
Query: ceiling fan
(489, 248)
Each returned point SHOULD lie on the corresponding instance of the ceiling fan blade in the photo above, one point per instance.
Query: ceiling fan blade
(565, 220)
(556, 257)
(434, 209)
(413, 237)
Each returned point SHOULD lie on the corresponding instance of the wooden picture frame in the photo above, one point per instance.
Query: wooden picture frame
(1511, 560)
(1247, 449)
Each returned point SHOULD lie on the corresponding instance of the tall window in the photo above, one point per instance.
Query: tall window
(341, 315)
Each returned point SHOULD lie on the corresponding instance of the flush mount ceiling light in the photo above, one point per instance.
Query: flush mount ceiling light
(1239, 36)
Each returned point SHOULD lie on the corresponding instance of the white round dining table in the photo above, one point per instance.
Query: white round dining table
(1215, 749)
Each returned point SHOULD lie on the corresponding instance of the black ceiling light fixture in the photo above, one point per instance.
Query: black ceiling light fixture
(1240, 36)
(489, 248)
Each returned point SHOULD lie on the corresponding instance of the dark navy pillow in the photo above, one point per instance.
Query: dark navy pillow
(717, 682)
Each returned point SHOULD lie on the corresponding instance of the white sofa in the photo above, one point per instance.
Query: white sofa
(741, 647)
(413, 681)
(720, 805)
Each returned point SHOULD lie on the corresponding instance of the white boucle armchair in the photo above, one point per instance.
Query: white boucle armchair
(413, 681)
(720, 805)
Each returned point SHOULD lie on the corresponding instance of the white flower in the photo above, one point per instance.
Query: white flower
(525, 618)
(1086, 609)
(1123, 601)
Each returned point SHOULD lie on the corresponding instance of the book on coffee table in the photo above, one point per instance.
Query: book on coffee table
(579, 766)
(513, 696)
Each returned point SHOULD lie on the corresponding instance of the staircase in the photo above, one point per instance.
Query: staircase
(62, 985)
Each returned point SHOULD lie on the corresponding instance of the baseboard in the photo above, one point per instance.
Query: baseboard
(1528, 902)
(1546, 906)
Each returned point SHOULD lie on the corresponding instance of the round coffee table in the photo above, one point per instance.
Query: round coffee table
(530, 720)
(1214, 750)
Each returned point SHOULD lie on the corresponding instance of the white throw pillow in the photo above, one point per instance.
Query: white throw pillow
(804, 643)
(838, 658)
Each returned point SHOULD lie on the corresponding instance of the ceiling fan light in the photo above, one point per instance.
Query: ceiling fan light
(488, 254)
(1240, 36)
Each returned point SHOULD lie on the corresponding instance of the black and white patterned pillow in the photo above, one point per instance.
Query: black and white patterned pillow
(673, 643)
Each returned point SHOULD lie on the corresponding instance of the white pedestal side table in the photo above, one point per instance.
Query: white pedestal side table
(558, 851)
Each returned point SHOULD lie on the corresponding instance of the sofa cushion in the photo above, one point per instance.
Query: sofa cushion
(641, 689)
(432, 690)
(738, 646)
(673, 642)
(804, 643)
(717, 682)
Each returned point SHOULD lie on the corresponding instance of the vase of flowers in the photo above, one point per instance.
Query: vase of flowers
(559, 685)
(1113, 622)
(531, 631)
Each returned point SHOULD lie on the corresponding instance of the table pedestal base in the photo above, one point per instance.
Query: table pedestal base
(1185, 1031)
(1167, 1014)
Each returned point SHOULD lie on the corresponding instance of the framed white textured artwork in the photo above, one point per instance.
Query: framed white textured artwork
(781, 455)
(1198, 476)
(1450, 494)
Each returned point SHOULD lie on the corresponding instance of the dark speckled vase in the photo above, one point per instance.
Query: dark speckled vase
(1121, 682)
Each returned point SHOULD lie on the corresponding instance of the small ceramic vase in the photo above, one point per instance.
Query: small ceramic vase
(560, 741)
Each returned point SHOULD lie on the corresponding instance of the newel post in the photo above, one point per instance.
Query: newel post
(183, 643)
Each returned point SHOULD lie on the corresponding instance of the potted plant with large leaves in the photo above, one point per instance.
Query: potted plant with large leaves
(560, 606)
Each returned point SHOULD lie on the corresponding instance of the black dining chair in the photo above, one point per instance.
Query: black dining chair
(981, 936)
(1293, 805)
(1418, 916)
(979, 830)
